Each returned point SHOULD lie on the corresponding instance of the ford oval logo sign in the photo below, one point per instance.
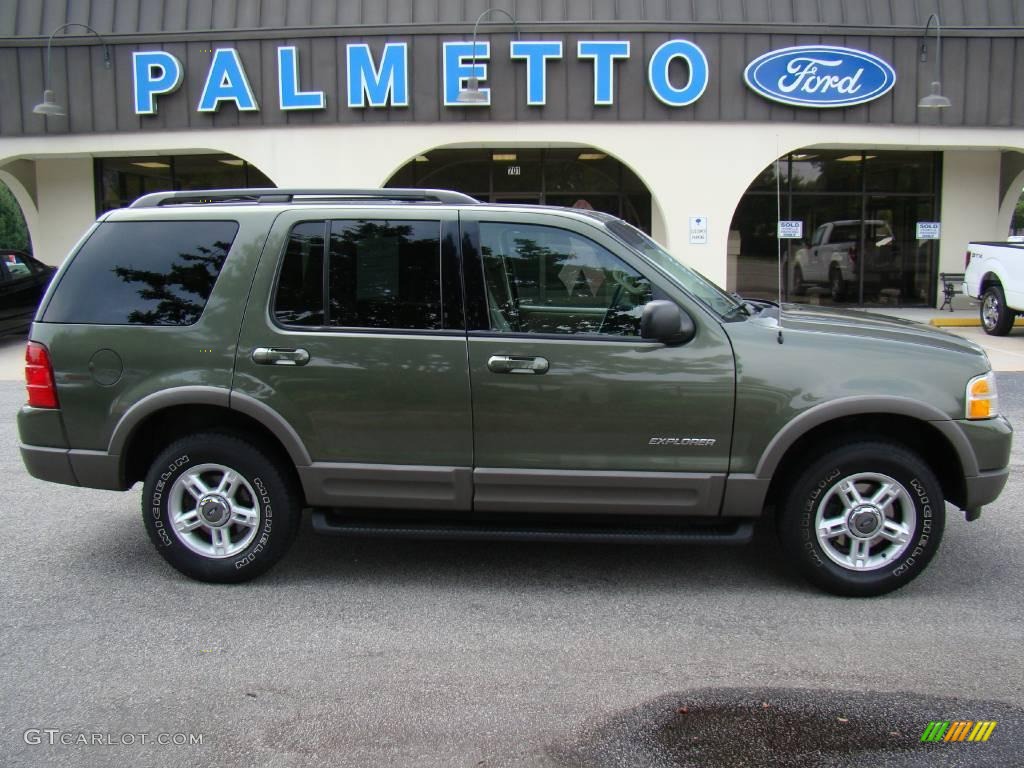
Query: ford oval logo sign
(820, 76)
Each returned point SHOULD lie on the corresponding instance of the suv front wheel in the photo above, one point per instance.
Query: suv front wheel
(864, 519)
(217, 508)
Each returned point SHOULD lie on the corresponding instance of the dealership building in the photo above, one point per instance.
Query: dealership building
(885, 133)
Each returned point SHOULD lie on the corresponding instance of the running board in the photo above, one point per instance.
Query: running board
(333, 524)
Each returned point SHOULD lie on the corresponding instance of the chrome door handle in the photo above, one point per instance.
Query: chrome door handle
(279, 356)
(511, 364)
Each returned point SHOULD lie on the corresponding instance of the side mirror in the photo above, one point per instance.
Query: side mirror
(665, 322)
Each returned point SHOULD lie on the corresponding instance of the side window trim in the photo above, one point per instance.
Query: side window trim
(104, 307)
(450, 309)
(605, 264)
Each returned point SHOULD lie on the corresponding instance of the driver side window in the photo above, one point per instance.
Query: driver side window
(547, 280)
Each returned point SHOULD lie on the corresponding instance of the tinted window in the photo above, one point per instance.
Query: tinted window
(143, 272)
(380, 274)
(385, 274)
(547, 280)
(300, 290)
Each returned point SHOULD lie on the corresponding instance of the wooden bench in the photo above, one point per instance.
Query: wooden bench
(952, 285)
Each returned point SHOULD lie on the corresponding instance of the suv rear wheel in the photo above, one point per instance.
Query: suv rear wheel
(217, 508)
(864, 519)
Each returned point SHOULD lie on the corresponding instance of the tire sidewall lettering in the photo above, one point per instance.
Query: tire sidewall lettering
(922, 536)
(156, 502)
(267, 518)
(158, 510)
(807, 514)
(923, 506)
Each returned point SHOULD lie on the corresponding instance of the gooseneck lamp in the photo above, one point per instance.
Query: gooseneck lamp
(471, 94)
(49, 106)
(935, 99)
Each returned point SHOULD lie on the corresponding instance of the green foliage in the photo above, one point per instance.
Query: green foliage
(1017, 223)
(13, 231)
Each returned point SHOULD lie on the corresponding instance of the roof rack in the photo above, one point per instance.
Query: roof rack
(278, 196)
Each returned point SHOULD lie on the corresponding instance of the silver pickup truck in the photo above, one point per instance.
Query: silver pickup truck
(994, 273)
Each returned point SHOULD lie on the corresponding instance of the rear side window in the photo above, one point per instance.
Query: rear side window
(300, 288)
(143, 273)
(378, 274)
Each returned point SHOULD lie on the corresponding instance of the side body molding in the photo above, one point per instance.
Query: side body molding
(216, 396)
(745, 492)
(864, 405)
(276, 423)
(157, 401)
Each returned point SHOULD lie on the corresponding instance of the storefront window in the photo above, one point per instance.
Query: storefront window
(121, 180)
(859, 211)
(580, 177)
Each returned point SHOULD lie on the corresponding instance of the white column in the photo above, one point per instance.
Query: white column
(970, 205)
(67, 206)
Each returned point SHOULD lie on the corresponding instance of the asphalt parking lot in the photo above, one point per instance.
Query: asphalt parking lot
(378, 653)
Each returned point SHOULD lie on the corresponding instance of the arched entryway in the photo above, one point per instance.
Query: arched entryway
(862, 243)
(567, 176)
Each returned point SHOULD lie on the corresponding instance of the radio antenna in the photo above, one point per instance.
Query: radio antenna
(778, 219)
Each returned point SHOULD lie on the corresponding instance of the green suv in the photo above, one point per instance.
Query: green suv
(415, 363)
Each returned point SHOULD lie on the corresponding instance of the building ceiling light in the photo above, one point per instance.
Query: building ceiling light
(848, 159)
(504, 157)
(422, 159)
(233, 161)
(591, 156)
(152, 164)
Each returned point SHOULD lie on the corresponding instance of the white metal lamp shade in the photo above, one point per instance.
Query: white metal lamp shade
(471, 94)
(49, 106)
(935, 99)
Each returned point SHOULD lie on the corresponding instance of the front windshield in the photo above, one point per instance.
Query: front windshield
(694, 282)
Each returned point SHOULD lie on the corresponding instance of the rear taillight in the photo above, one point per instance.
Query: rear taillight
(852, 253)
(42, 392)
(967, 260)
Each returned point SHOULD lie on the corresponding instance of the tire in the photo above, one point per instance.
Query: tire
(836, 284)
(996, 317)
(799, 288)
(218, 509)
(872, 545)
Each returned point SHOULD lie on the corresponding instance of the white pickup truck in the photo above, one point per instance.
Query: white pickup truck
(994, 273)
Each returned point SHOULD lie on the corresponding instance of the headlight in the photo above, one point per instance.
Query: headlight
(982, 398)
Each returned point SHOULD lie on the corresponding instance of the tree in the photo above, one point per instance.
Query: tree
(13, 231)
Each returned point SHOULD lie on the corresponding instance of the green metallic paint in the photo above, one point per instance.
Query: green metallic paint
(154, 358)
(373, 403)
(829, 365)
(43, 426)
(603, 398)
(389, 398)
(990, 440)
